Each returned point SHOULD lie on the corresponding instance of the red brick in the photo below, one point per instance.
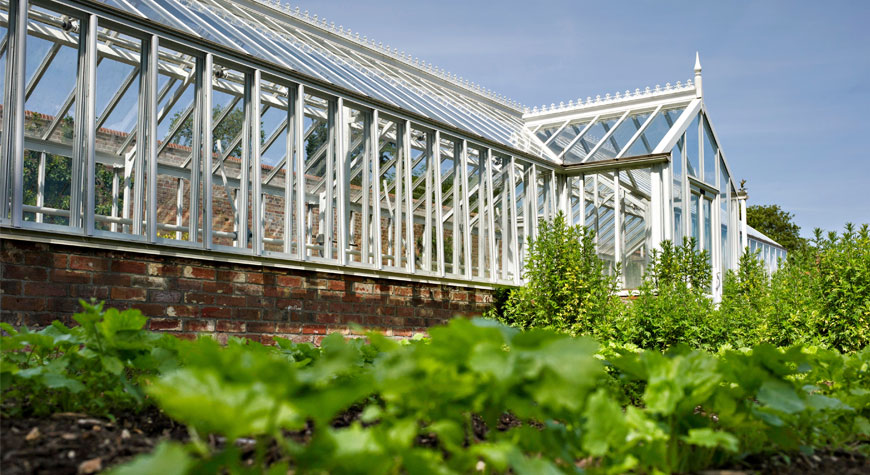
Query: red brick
(289, 281)
(217, 287)
(88, 291)
(148, 282)
(45, 289)
(24, 273)
(88, 263)
(337, 285)
(125, 293)
(198, 273)
(229, 300)
(248, 313)
(181, 311)
(254, 278)
(10, 287)
(165, 324)
(105, 278)
(129, 267)
(248, 289)
(70, 276)
(60, 261)
(199, 325)
(216, 312)
(24, 304)
(363, 288)
(229, 326)
(189, 284)
(314, 330)
(326, 318)
(261, 327)
(40, 259)
(288, 328)
(199, 298)
(400, 290)
(163, 270)
(231, 276)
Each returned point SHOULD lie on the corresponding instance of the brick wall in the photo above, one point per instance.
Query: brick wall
(40, 283)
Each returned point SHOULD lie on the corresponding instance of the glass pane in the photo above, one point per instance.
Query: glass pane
(676, 167)
(695, 225)
(710, 154)
(590, 139)
(708, 228)
(276, 167)
(316, 147)
(566, 136)
(620, 137)
(50, 118)
(636, 227)
(692, 150)
(654, 133)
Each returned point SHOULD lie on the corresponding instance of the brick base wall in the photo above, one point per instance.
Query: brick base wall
(40, 283)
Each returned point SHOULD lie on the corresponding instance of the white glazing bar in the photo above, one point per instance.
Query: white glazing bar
(89, 123)
(328, 232)
(410, 247)
(205, 113)
(605, 138)
(397, 195)
(490, 210)
(300, 182)
(667, 202)
(13, 116)
(141, 139)
(506, 212)
(532, 201)
(481, 214)
(342, 175)
(196, 154)
(439, 204)
(578, 137)
(150, 138)
(366, 227)
(686, 215)
(256, 176)
(639, 132)
(243, 192)
(376, 189)
(290, 162)
(656, 205)
(458, 205)
(428, 194)
(466, 217)
(78, 166)
(514, 229)
(617, 224)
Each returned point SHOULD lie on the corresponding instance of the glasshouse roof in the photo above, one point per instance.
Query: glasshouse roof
(598, 128)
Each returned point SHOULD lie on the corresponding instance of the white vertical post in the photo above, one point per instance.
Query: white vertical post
(490, 214)
(89, 124)
(40, 187)
(341, 178)
(427, 209)
(376, 189)
(13, 116)
(368, 157)
(141, 141)
(256, 172)
(515, 248)
(244, 189)
(150, 139)
(744, 237)
(289, 167)
(301, 182)
(410, 247)
(207, 145)
(466, 215)
(328, 232)
(617, 224)
(656, 205)
(582, 199)
(193, 215)
(439, 203)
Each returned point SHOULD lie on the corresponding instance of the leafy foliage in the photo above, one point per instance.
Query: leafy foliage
(435, 405)
(777, 224)
(567, 287)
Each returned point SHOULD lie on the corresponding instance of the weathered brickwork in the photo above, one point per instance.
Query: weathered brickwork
(40, 283)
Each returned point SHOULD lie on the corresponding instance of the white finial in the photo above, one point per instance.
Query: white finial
(698, 90)
(697, 63)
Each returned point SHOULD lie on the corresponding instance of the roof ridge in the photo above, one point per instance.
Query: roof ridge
(617, 97)
(408, 59)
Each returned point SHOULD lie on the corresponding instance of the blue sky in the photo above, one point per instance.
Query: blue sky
(786, 83)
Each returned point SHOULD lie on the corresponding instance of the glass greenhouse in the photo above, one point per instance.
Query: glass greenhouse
(250, 128)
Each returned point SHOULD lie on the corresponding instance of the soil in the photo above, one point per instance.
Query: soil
(822, 462)
(71, 443)
(77, 443)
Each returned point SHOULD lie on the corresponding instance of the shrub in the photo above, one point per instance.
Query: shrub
(745, 299)
(567, 287)
(672, 305)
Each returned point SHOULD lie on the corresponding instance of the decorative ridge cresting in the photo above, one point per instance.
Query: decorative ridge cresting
(617, 97)
(406, 58)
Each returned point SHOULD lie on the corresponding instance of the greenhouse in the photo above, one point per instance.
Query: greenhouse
(249, 128)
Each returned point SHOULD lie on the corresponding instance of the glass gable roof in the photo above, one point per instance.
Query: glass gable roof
(328, 54)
